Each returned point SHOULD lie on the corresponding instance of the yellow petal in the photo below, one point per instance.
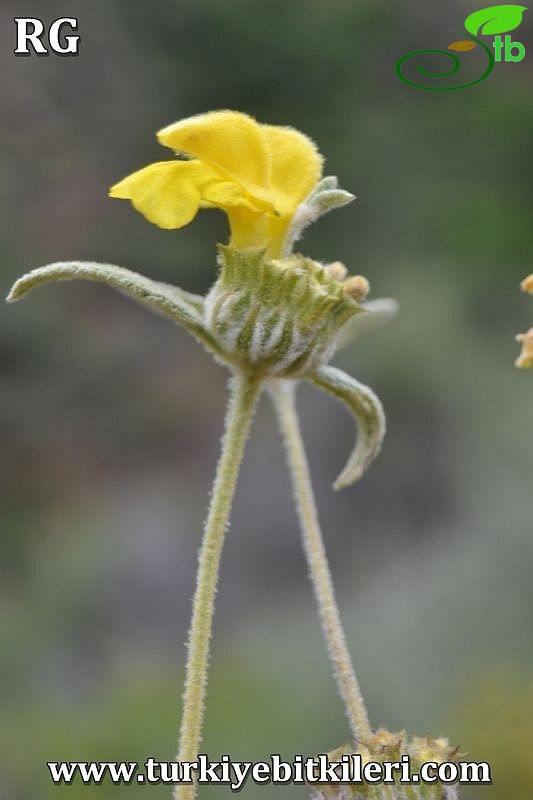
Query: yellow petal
(296, 166)
(229, 141)
(248, 228)
(227, 194)
(167, 192)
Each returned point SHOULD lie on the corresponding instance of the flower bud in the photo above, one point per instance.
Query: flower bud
(337, 270)
(357, 287)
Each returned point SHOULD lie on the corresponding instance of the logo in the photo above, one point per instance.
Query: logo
(491, 21)
(31, 31)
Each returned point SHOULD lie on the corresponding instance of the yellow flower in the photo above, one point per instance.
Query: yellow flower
(525, 359)
(527, 284)
(258, 174)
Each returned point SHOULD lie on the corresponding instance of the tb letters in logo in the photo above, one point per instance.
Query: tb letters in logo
(61, 37)
(485, 22)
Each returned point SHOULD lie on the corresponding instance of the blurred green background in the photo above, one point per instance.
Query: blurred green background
(110, 418)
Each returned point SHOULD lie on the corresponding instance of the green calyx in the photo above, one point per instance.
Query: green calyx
(279, 317)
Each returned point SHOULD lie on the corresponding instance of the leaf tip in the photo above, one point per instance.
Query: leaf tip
(351, 474)
(343, 483)
(15, 293)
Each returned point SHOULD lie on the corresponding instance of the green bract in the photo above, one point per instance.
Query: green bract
(279, 318)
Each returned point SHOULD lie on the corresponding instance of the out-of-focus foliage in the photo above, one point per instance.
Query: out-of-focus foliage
(107, 453)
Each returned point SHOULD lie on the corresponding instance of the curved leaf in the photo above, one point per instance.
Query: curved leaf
(495, 19)
(325, 197)
(368, 412)
(182, 307)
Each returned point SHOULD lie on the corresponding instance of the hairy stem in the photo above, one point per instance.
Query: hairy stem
(244, 392)
(283, 395)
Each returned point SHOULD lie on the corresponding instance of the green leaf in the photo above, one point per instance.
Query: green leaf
(182, 307)
(495, 19)
(368, 412)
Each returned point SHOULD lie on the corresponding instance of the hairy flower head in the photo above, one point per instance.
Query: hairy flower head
(383, 746)
(258, 174)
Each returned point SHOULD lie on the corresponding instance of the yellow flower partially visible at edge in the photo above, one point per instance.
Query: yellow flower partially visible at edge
(527, 284)
(258, 174)
(525, 359)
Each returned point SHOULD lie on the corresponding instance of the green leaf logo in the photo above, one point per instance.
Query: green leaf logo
(496, 19)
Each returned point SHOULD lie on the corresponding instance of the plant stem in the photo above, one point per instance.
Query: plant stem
(283, 395)
(244, 393)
